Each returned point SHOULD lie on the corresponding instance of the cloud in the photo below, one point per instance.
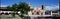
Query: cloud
(47, 7)
(3, 5)
(52, 7)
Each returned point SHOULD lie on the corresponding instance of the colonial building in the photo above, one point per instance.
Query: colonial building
(38, 11)
(5, 11)
(41, 11)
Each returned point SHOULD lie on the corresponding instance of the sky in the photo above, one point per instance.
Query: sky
(50, 4)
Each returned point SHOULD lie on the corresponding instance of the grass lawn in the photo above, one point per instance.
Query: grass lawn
(9, 18)
(16, 17)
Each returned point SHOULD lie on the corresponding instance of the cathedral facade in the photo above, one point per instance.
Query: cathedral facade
(38, 11)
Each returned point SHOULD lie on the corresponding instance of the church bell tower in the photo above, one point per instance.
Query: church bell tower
(43, 8)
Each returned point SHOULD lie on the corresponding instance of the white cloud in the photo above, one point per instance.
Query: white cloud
(47, 7)
(3, 5)
(52, 7)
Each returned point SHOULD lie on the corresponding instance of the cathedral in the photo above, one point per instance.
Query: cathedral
(37, 10)
(41, 11)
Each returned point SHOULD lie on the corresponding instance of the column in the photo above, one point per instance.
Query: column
(58, 12)
(39, 13)
(51, 13)
(44, 12)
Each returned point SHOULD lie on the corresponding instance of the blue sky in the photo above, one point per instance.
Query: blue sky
(50, 4)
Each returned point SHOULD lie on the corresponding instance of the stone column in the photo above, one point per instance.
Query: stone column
(51, 13)
(58, 12)
(34, 13)
(44, 12)
(39, 13)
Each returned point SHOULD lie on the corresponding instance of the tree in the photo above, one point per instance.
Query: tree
(23, 7)
(14, 8)
(9, 8)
